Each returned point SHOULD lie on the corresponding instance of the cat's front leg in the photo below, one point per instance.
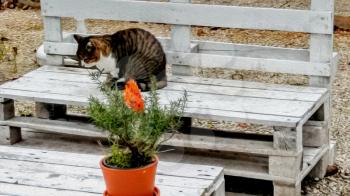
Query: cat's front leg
(110, 81)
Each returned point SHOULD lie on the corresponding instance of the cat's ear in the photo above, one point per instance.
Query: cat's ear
(77, 37)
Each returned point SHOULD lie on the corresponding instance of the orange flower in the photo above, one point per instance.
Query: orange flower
(132, 96)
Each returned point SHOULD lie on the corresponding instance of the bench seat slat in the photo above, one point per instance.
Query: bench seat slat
(24, 190)
(195, 100)
(235, 100)
(92, 161)
(177, 85)
(82, 179)
(192, 80)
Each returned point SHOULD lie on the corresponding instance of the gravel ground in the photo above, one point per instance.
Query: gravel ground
(24, 31)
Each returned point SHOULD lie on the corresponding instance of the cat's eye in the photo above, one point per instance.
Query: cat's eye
(89, 46)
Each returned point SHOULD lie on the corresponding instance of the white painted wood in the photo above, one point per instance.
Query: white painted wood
(315, 136)
(23, 190)
(332, 152)
(193, 87)
(83, 179)
(92, 161)
(223, 48)
(80, 26)
(286, 189)
(184, 14)
(181, 42)
(311, 163)
(54, 170)
(53, 33)
(195, 100)
(199, 80)
(248, 63)
(225, 144)
(7, 110)
(55, 126)
(223, 61)
(48, 90)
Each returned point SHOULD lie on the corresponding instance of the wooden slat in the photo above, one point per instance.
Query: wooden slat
(253, 102)
(223, 48)
(180, 86)
(255, 51)
(92, 161)
(53, 32)
(23, 190)
(222, 61)
(195, 100)
(80, 178)
(184, 14)
(55, 126)
(225, 144)
(249, 63)
(199, 80)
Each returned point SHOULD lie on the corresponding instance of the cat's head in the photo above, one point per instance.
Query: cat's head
(91, 49)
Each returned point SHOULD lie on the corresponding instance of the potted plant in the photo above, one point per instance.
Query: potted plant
(135, 125)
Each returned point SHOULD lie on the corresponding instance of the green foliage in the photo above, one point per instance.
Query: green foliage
(135, 135)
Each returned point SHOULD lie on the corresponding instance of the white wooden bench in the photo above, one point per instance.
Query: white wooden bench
(299, 115)
(32, 172)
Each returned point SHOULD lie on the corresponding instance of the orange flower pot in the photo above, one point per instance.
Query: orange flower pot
(130, 182)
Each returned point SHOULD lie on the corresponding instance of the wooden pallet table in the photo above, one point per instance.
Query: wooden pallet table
(33, 172)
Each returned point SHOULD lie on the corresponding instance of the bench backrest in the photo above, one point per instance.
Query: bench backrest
(318, 61)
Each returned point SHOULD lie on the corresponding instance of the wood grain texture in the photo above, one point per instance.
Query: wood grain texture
(217, 60)
(250, 102)
(187, 14)
(42, 170)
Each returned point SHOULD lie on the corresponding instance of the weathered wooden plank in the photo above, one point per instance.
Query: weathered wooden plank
(311, 164)
(181, 42)
(53, 32)
(92, 161)
(199, 80)
(7, 110)
(225, 144)
(255, 51)
(55, 126)
(286, 189)
(184, 14)
(50, 111)
(223, 48)
(249, 63)
(195, 100)
(23, 190)
(83, 179)
(315, 136)
(223, 61)
(199, 88)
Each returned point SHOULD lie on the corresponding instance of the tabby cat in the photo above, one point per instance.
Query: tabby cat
(127, 54)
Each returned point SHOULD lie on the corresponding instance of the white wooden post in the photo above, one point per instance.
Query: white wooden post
(181, 42)
(53, 33)
(321, 51)
(80, 26)
(289, 140)
(7, 111)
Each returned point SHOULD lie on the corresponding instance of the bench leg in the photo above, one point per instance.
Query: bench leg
(7, 111)
(286, 139)
(50, 111)
(12, 134)
(319, 133)
(219, 187)
(280, 189)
